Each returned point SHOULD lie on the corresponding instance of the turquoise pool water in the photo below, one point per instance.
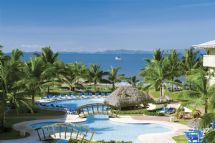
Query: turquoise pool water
(107, 130)
(74, 103)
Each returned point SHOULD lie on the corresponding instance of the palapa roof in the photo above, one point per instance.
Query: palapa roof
(206, 45)
(127, 96)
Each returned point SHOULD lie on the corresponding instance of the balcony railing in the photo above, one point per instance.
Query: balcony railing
(209, 61)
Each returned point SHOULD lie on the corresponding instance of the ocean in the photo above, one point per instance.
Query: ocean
(130, 64)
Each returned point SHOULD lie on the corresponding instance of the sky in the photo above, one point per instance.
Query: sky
(98, 25)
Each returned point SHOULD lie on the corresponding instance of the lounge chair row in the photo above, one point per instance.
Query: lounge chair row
(65, 96)
(79, 94)
(166, 110)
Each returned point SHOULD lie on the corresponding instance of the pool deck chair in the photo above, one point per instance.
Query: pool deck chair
(90, 94)
(96, 94)
(73, 95)
(85, 95)
(213, 125)
(108, 94)
(102, 94)
(80, 94)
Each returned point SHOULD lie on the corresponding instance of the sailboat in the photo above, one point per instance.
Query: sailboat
(118, 58)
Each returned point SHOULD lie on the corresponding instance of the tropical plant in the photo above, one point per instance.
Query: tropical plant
(132, 80)
(10, 73)
(75, 75)
(199, 78)
(155, 74)
(113, 76)
(174, 68)
(95, 74)
(32, 82)
(204, 122)
(191, 60)
(48, 56)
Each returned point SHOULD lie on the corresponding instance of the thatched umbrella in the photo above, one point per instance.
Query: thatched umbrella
(127, 96)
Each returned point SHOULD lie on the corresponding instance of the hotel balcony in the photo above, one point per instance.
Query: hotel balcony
(209, 61)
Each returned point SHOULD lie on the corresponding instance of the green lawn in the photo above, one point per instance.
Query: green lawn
(182, 121)
(180, 139)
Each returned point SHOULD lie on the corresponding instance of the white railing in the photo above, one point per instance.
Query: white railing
(209, 61)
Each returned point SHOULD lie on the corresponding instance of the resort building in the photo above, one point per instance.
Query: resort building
(209, 59)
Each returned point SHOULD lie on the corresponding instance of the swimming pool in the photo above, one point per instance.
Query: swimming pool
(107, 130)
(74, 103)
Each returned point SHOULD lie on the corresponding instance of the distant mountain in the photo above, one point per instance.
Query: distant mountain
(122, 51)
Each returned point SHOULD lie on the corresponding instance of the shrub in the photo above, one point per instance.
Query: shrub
(140, 111)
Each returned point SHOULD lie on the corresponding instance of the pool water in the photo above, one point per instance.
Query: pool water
(104, 128)
(107, 130)
(74, 103)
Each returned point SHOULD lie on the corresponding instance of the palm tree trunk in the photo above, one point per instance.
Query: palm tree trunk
(48, 90)
(161, 91)
(33, 99)
(3, 113)
(2, 117)
(95, 83)
(172, 84)
(113, 86)
(206, 105)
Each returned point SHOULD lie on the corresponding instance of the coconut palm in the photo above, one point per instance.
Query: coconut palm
(199, 78)
(10, 73)
(95, 74)
(132, 80)
(114, 77)
(191, 60)
(158, 55)
(174, 68)
(48, 56)
(204, 122)
(34, 76)
(155, 74)
(75, 75)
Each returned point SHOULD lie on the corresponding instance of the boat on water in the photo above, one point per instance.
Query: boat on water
(118, 58)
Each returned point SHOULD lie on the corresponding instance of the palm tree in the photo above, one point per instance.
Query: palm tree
(95, 74)
(113, 76)
(34, 76)
(174, 68)
(155, 74)
(75, 75)
(204, 122)
(132, 80)
(191, 60)
(10, 73)
(48, 56)
(199, 78)
(158, 55)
